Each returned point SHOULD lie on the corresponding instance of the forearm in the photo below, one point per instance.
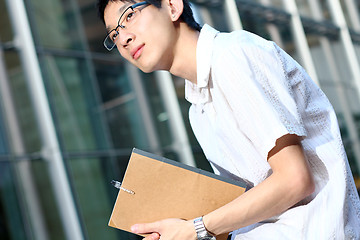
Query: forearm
(290, 182)
(267, 199)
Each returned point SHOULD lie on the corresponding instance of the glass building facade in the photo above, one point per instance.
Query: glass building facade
(71, 112)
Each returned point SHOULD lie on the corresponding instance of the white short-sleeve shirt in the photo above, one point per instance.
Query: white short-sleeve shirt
(249, 93)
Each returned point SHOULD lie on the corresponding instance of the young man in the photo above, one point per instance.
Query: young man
(256, 114)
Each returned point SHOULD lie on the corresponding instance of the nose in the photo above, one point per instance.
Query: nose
(125, 38)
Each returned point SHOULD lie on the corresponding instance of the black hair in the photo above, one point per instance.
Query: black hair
(187, 16)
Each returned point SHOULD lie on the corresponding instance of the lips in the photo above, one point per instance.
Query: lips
(136, 52)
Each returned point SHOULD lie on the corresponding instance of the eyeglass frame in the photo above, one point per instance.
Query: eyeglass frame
(122, 26)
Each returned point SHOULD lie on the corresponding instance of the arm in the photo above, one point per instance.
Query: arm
(290, 182)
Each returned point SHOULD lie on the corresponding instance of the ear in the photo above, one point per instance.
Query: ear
(176, 9)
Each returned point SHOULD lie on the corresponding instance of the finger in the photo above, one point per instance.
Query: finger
(153, 236)
(145, 228)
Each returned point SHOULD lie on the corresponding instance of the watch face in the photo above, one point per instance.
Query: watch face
(209, 238)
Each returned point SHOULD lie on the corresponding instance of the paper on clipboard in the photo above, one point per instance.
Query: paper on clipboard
(163, 188)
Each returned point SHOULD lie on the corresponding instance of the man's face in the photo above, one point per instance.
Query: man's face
(149, 42)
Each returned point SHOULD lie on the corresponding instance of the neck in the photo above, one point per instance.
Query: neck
(184, 63)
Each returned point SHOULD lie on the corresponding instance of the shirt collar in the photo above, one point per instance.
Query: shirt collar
(198, 93)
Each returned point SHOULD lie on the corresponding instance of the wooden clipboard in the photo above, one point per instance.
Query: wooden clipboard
(159, 188)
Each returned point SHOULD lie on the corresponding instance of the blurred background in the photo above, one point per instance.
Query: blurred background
(71, 112)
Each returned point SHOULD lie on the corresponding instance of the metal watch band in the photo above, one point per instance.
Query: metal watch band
(202, 233)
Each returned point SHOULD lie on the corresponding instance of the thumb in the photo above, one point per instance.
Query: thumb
(146, 228)
(153, 236)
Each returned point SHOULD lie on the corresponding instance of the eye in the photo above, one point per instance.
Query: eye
(114, 35)
(130, 16)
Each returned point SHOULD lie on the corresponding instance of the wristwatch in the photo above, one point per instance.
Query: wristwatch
(202, 233)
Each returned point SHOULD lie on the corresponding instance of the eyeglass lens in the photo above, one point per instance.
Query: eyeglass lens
(125, 22)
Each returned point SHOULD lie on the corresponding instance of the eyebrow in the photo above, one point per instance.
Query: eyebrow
(121, 10)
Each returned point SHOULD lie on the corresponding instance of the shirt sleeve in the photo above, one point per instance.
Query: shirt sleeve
(256, 80)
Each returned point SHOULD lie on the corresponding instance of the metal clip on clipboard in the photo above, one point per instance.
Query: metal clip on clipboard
(117, 184)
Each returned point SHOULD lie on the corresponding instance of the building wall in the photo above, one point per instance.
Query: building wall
(101, 107)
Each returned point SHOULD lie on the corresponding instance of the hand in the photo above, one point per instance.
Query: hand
(168, 229)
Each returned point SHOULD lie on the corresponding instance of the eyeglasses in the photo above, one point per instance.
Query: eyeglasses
(126, 20)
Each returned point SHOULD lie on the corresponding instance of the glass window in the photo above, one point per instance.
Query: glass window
(159, 115)
(351, 13)
(12, 222)
(94, 28)
(212, 14)
(22, 102)
(11, 217)
(269, 23)
(45, 194)
(312, 9)
(5, 24)
(70, 90)
(357, 49)
(55, 24)
(304, 8)
(273, 3)
(95, 195)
